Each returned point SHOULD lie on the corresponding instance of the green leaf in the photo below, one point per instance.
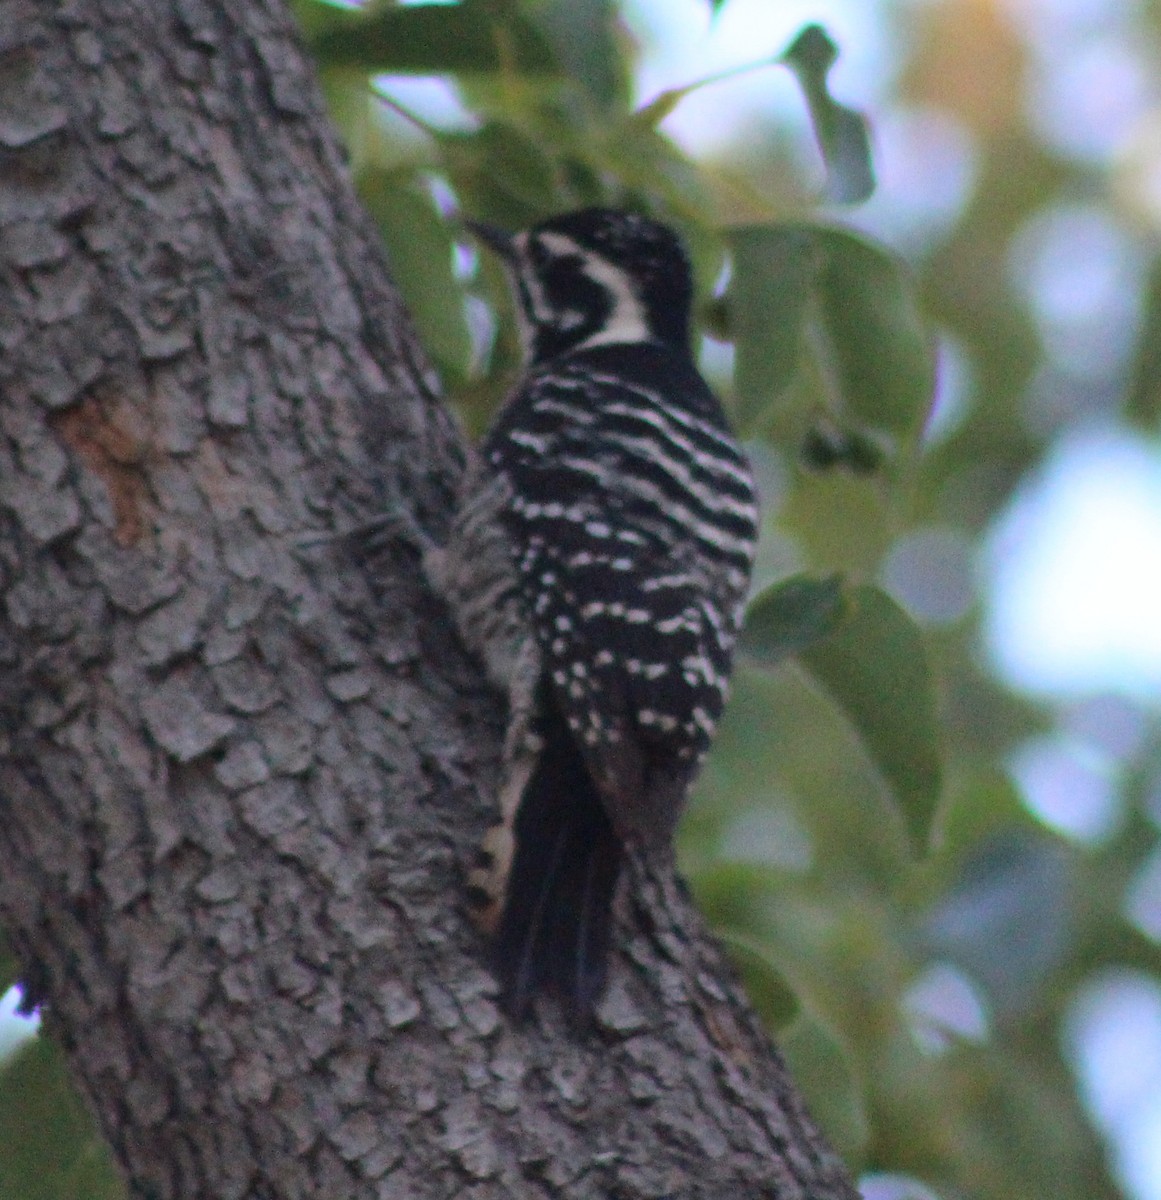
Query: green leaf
(789, 616)
(501, 174)
(774, 272)
(48, 1147)
(823, 1069)
(768, 989)
(419, 246)
(654, 174)
(874, 666)
(882, 351)
(434, 39)
(840, 131)
(353, 108)
(583, 40)
(728, 893)
(661, 106)
(871, 342)
(984, 803)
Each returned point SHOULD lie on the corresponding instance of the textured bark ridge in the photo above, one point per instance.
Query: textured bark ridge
(238, 783)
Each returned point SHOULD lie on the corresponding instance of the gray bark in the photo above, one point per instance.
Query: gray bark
(239, 778)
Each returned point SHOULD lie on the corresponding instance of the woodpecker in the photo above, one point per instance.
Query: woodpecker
(597, 565)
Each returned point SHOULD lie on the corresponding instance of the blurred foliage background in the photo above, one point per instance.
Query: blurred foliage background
(956, 974)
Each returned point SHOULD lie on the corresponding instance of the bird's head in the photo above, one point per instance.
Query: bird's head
(595, 277)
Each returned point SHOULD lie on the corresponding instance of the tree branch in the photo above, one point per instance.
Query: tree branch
(240, 778)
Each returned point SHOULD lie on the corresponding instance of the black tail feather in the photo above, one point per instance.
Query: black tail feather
(590, 957)
(556, 928)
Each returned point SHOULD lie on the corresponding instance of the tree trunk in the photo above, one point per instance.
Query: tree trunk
(240, 777)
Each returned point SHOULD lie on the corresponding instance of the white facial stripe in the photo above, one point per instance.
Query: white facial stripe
(626, 322)
(526, 283)
(560, 244)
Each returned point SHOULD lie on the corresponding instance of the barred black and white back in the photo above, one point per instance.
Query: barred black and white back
(598, 565)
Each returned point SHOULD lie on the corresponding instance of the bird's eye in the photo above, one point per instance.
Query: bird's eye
(539, 254)
(562, 271)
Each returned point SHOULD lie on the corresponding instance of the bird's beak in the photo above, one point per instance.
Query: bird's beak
(495, 238)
